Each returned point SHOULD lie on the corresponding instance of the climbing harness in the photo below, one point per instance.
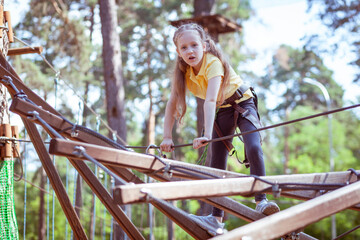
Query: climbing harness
(243, 112)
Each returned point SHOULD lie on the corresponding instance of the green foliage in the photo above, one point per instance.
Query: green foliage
(66, 33)
(342, 18)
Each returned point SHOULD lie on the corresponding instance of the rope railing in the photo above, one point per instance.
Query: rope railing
(260, 129)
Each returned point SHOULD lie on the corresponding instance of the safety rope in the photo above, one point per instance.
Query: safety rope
(188, 170)
(260, 129)
(346, 233)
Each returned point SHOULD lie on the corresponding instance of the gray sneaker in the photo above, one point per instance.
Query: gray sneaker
(210, 224)
(267, 208)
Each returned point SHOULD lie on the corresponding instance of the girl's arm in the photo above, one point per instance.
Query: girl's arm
(209, 111)
(167, 143)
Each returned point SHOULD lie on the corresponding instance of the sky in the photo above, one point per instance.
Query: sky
(275, 22)
(279, 22)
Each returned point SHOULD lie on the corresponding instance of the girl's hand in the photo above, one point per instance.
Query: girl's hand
(167, 145)
(200, 142)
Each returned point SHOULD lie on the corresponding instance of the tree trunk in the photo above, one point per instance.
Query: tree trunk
(113, 76)
(202, 7)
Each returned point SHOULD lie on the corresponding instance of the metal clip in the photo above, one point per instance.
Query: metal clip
(239, 93)
(79, 151)
(167, 171)
(74, 133)
(276, 190)
(147, 193)
(33, 115)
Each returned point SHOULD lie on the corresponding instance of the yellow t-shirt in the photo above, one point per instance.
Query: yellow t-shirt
(212, 67)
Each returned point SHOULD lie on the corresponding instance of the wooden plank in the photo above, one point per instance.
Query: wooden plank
(245, 186)
(24, 50)
(10, 32)
(298, 216)
(55, 180)
(189, 189)
(138, 161)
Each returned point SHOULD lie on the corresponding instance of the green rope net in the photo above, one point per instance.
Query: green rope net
(8, 224)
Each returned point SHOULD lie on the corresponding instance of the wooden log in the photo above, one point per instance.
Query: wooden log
(298, 216)
(15, 135)
(55, 180)
(24, 50)
(245, 186)
(10, 32)
(5, 131)
(138, 161)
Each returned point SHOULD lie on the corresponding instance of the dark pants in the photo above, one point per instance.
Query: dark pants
(252, 142)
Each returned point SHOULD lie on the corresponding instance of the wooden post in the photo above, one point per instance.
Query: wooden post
(5, 131)
(10, 30)
(24, 50)
(1, 20)
(15, 135)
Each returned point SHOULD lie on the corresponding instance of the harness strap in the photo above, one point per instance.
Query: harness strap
(228, 145)
(245, 113)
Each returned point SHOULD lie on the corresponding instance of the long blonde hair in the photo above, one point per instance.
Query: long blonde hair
(178, 83)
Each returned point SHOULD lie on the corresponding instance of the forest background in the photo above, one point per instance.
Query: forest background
(75, 80)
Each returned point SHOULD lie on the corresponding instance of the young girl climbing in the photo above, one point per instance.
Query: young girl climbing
(202, 69)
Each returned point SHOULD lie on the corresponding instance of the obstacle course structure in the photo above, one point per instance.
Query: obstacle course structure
(340, 190)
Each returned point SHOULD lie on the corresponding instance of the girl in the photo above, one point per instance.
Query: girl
(202, 69)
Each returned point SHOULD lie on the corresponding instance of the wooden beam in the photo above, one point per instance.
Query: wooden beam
(24, 50)
(55, 180)
(7, 17)
(298, 216)
(138, 161)
(245, 186)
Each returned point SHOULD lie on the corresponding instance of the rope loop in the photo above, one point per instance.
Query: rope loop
(79, 151)
(74, 132)
(353, 171)
(147, 193)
